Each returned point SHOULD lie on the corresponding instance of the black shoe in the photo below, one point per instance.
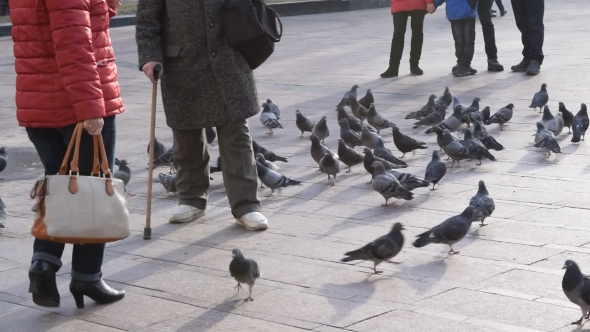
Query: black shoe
(494, 65)
(493, 10)
(502, 13)
(494, 15)
(461, 71)
(522, 66)
(454, 68)
(390, 72)
(472, 71)
(42, 284)
(98, 291)
(534, 68)
(414, 69)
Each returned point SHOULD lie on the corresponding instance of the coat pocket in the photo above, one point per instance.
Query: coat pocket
(172, 51)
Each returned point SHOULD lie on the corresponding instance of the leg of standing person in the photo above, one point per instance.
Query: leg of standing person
(469, 44)
(400, 21)
(522, 22)
(500, 7)
(457, 28)
(535, 13)
(489, 35)
(239, 173)
(417, 25)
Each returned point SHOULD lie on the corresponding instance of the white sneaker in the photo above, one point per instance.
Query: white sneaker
(253, 221)
(185, 213)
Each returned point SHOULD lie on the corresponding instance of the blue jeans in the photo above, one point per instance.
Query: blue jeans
(51, 145)
(464, 36)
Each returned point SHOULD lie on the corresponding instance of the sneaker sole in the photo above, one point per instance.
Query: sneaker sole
(260, 227)
(194, 217)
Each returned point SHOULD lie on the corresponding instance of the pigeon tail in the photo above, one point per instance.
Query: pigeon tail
(423, 240)
(354, 255)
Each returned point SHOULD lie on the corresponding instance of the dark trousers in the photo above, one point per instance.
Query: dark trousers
(487, 28)
(400, 21)
(498, 3)
(464, 36)
(51, 145)
(528, 15)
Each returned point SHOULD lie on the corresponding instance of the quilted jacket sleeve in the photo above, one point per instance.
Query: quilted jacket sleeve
(148, 31)
(72, 41)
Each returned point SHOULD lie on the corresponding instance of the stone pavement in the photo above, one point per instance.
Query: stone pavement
(507, 277)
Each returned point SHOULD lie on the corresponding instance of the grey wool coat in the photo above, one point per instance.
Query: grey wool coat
(203, 75)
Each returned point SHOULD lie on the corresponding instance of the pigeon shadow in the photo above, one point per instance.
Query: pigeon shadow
(210, 318)
(336, 293)
(433, 272)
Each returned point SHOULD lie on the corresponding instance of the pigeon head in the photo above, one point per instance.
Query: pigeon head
(297, 112)
(482, 188)
(547, 113)
(561, 105)
(379, 169)
(314, 139)
(570, 264)
(397, 227)
(260, 158)
(236, 253)
(476, 101)
(123, 163)
(447, 137)
(583, 111)
(540, 126)
(395, 131)
(268, 101)
(544, 87)
(2, 151)
(468, 212)
(510, 106)
(457, 110)
(368, 152)
(344, 124)
(572, 277)
(354, 88)
(477, 126)
(328, 156)
(431, 98)
(435, 155)
(341, 142)
(323, 119)
(372, 109)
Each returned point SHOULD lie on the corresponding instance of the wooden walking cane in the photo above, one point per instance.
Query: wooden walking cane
(147, 231)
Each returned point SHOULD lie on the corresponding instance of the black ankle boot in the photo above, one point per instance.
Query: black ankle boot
(415, 69)
(390, 72)
(98, 291)
(42, 284)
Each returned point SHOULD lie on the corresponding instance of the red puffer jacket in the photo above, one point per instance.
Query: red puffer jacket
(65, 63)
(407, 5)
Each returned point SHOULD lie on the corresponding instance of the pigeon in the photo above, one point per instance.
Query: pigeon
(353, 122)
(318, 150)
(382, 152)
(488, 141)
(273, 108)
(409, 181)
(268, 155)
(272, 179)
(474, 107)
(476, 148)
(159, 148)
(168, 181)
(330, 166)
(2, 214)
(167, 158)
(405, 143)
(454, 149)
(388, 185)
(269, 119)
(358, 110)
(346, 98)
(439, 136)
(124, 174)
(211, 135)
(579, 125)
(576, 286)
(427, 109)
(382, 249)
(502, 116)
(457, 102)
(545, 139)
(116, 161)
(377, 121)
(367, 100)
(244, 270)
(568, 117)
(349, 137)
(445, 99)
(454, 121)
(304, 124)
(266, 163)
(448, 232)
(348, 156)
(550, 122)
(370, 158)
(433, 118)
(483, 203)
(3, 158)
(321, 129)
(370, 139)
(435, 170)
(540, 98)
(217, 168)
(481, 116)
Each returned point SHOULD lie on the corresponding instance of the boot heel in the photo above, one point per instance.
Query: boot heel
(79, 298)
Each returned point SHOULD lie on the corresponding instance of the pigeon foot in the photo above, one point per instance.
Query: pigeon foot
(453, 252)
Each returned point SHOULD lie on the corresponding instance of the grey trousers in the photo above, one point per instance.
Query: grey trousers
(191, 155)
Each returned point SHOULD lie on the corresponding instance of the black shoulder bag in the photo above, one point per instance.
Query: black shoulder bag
(251, 28)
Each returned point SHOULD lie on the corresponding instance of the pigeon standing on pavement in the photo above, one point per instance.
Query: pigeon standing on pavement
(424, 111)
(448, 232)
(580, 124)
(367, 100)
(382, 152)
(349, 137)
(405, 143)
(409, 181)
(545, 139)
(480, 133)
(540, 98)
(168, 181)
(370, 158)
(266, 163)
(550, 122)
(211, 135)
(453, 122)
(346, 98)
(217, 167)
(476, 116)
(382, 249)
(433, 118)
(358, 110)
(159, 148)
(474, 107)
(124, 174)
(321, 129)
(167, 158)
(330, 166)
(576, 286)
(567, 116)
(370, 139)
(244, 270)
(457, 102)
(348, 156)
(269, 119)
(272, 179)
(483, 204)
(273, 108)
(435, 170)
(3, 216)
(268, 155)
(318, 150)
(445, 99)
(353, 122)
(304, 124)
(377, 121)
(476, 148)
(502, 116)
(3, 159)
(454, 149)
(388, 185)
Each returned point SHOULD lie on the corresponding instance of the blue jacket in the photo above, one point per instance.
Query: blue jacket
(458, 9)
